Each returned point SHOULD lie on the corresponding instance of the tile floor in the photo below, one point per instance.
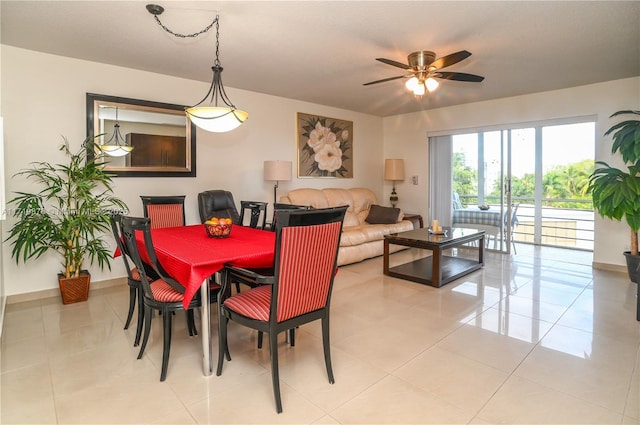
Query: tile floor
(537, 338)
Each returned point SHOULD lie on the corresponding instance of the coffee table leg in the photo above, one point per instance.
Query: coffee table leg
(436, 267)
(481, 250)
(385, 258)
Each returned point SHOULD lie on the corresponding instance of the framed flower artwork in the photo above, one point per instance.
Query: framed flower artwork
(325, 146)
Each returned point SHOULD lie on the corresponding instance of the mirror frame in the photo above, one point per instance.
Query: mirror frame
(93, 100)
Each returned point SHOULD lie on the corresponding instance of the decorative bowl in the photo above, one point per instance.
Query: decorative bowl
(220, 230)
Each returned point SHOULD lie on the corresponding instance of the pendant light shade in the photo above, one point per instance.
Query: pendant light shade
(220, 115)
(116, 145)
(215, 118)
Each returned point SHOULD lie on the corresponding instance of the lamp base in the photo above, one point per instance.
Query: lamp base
(394, 197)
(275, 192)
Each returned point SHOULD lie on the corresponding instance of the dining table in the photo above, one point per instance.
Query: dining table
(191, 257)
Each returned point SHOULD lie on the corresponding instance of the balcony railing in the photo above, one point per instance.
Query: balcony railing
(566, 223)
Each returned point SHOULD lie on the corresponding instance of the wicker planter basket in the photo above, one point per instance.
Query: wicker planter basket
(74, 289)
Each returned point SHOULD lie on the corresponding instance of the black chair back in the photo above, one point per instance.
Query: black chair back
(217, 203)
(116, 228)
(131, 225)
(257, 214)
(285, 207)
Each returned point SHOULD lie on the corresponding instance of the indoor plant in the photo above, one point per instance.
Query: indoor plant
(68, 213)
(616, 192)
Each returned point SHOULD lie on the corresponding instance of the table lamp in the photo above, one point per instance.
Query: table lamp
(394, 171)
(277, 171)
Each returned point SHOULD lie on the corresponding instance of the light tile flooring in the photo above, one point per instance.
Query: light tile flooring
(539, 337)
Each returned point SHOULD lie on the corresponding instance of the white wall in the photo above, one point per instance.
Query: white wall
(405, 136)
(3, 296)
(43, 98)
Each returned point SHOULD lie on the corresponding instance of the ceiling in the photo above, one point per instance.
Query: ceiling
(322, 52)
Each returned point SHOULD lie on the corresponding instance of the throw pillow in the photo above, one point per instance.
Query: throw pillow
(382, 215)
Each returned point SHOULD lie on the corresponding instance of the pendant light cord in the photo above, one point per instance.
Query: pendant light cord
(157, 10)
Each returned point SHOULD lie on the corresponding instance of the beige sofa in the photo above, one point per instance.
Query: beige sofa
(360, 240)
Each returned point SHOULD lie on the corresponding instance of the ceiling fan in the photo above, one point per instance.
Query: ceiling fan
(424, 69)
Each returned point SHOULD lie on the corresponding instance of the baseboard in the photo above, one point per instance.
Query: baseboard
(55, 292)
(609, 267)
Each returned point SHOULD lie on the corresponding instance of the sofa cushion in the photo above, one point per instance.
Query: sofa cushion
(312, 197)
(383, 215)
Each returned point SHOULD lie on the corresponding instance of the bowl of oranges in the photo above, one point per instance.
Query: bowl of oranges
(218, 227)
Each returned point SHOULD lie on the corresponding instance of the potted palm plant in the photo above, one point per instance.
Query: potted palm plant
(68, 213)
(616, 192)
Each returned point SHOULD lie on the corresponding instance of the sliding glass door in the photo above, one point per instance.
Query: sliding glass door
(521, 185)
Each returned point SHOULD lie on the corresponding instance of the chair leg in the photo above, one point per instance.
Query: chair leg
(191, 323)
(136, 341)
(260, 337)
(327, 348)
(292, 337)
(275, 374)
(223, 349)
(132, 305)
(166, 344)
(148, 316)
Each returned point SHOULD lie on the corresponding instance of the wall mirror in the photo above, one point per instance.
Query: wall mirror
(162, 137)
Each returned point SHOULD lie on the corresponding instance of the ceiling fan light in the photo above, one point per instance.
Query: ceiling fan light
(431, 84)
(419, 90)
(412, 83)
(217, 119)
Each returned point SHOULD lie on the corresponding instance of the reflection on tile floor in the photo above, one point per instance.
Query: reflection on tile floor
(538, 337)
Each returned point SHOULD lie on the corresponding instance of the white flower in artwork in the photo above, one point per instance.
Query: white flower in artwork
(320, 136)
(329, 157)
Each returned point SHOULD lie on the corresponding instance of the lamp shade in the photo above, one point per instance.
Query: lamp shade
(277, 170)
(394, 169)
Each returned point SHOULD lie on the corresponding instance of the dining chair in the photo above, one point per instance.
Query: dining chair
(257, 212)
(133, 278)
(298, 292)
(164, 211)
(283, 207)
(164, 294)
(217, 203)
(239, 278)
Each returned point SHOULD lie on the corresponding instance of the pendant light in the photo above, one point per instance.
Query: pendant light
(220, 115)
(116, 145)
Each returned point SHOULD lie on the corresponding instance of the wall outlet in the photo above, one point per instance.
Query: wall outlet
(414, 180)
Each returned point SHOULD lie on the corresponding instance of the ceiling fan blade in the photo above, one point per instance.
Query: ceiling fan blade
(449, 60)
(459, 76)
(383, 80)
(393, 63)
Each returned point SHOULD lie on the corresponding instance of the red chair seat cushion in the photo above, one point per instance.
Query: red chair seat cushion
(135, 275)
(254, 303)
(163, 292)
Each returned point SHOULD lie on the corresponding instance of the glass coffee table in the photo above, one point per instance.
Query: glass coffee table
(437, 269)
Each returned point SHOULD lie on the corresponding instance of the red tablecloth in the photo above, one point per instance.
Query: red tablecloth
(190, 256)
